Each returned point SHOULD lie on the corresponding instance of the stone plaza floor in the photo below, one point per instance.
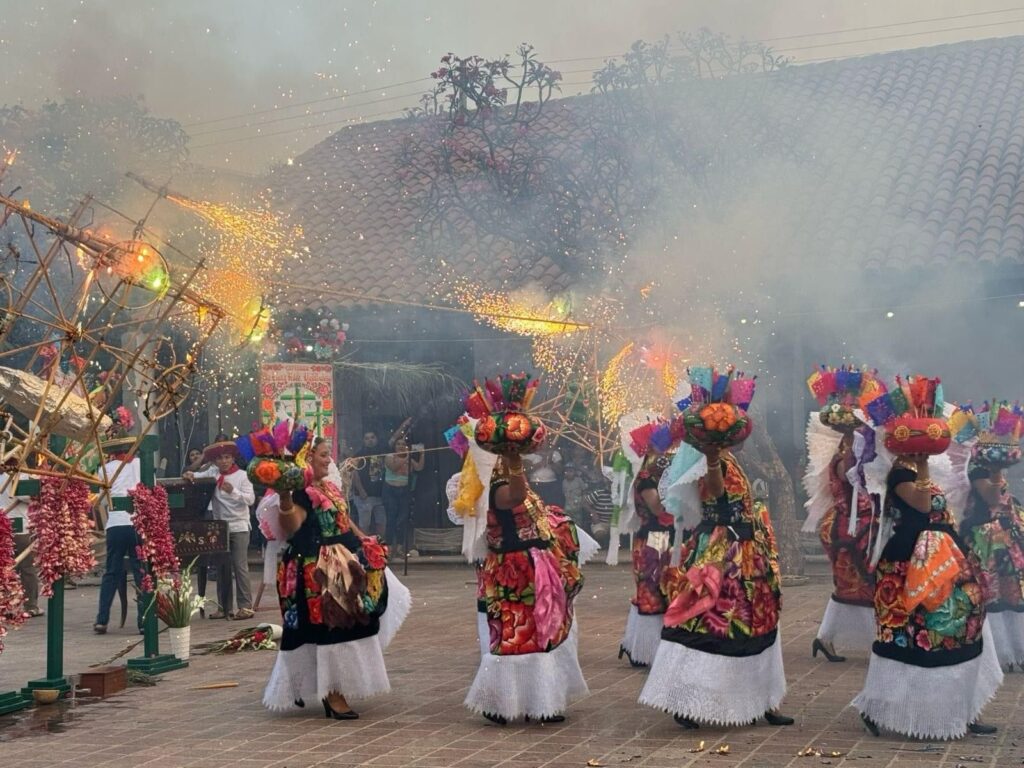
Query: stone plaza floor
(422, 721)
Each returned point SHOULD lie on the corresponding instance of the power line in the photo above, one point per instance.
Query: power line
(342, 108)
(299, 104)
(270, 110)
(395, 113)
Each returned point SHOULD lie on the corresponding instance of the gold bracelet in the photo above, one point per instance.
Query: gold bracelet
(715, 465)
(520, 473)
(923, 485)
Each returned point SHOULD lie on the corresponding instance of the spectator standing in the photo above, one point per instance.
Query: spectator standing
(122, 540)
(398, 469)
(368, 484)
(231, 501)
(598, 506)
(544, 470)
(574, 488)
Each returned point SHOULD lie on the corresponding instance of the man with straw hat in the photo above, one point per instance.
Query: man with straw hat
(231, 501)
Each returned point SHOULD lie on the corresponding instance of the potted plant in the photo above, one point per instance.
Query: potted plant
(176, 604)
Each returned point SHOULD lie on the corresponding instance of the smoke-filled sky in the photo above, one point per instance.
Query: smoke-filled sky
(263, 60)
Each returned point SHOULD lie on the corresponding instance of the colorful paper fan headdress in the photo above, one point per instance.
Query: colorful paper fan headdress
(715, 413)
(275, 457)
(911, 413)
(996, 428)
(841, 391)
(653, 437)
(501, 408)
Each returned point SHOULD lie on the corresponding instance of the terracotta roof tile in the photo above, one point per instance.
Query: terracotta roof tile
(916, 156)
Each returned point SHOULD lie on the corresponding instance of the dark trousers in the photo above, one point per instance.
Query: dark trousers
(396, 509)
(121, 541)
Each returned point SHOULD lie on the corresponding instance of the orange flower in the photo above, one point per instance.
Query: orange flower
(267, 472)
(718, 417)
(517, 426)
(485, 429)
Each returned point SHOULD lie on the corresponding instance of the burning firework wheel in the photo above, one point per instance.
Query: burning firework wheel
(132, 274)
(169, 391)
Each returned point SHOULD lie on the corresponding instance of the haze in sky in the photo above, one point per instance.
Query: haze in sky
(262, 61)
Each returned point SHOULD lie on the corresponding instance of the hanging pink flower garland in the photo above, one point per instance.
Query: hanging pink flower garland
(62, 531)
(152, 520)
(12, 596)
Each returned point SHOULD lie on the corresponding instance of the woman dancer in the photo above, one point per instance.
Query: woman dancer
(849, 616)
(930, 672)
(993, 530)
(720, 659)
(528, 581)
(652, 545)
(340, 603)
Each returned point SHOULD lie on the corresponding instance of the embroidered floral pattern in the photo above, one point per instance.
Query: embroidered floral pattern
(749, 599)
(652, 543)
(507, 585)
(930, 602)
(995, 539)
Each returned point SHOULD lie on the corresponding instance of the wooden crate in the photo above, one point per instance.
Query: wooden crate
(104, 681)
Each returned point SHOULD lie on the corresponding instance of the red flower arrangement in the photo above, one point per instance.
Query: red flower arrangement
(62, 531)
(12, 596)
(152, 521)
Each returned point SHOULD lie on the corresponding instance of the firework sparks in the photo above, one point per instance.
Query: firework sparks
(517, 314)
(256, 226)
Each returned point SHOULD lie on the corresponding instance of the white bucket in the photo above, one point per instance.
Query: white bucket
(180, 638)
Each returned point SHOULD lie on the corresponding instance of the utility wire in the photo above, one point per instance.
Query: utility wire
(398, 113)
(892, 25)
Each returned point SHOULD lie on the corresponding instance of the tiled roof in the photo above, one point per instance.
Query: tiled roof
(909, 158)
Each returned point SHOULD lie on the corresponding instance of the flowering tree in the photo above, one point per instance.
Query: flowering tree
(481, 161)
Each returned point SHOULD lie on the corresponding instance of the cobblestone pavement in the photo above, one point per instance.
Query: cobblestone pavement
(422, 722)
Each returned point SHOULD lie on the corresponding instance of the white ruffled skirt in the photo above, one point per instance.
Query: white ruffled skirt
(713, 689)
(1008, 635)
(354, 669)
(531, 684)
(848, 627)
(642, 635)
(930, 702)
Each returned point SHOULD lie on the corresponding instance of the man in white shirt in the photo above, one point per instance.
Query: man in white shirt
(122, 540)
(231, 501)
(16, 509)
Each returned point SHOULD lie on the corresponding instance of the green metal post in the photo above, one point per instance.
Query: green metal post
(54, 646)
(152, 661)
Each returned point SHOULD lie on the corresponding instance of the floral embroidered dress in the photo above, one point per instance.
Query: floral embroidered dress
(340, 607)
(527, 583)
(652, 547)
(849, 618)
(720, 659)
(994, 536)
(930, 671)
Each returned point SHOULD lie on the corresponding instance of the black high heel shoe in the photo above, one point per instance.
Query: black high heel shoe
(774, 718)
(633, 664)
(980, 729)
(496, 719)
(331, 712)
(817, 645)
(548, 719)
(685, 722)
(870, 725)
(300, 703)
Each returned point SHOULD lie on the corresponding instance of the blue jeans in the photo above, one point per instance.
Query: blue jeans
(396, 508)
(121, 541)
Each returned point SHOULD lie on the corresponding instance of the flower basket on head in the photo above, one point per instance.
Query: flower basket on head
(841, 392)
(996, 429)
(715, 413)
(276, 457)
(501, 408)
(912, 416)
